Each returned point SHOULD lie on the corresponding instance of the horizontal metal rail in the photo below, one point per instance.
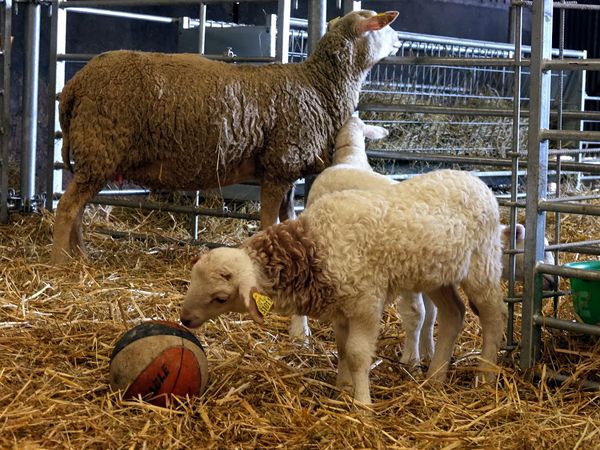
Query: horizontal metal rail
(156, 206)
(570, 245)
(451, 61)
(546, 294)
(123, 15)
(492, 162)
(560, 5)
(584, 250)
(575, 198)
(117, 3)
(451, 42)
(157, 237)
(569, 272)
(570, 135)
(85, 57)
(566, 325)
(121, 192)
(572, 208)
(572, 151)
(562, 378)
(465, 111)
(571, 64)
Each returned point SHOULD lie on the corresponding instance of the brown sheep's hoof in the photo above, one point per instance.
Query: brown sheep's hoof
(60, 257)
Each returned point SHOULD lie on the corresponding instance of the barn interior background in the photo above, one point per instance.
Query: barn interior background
(489, 86)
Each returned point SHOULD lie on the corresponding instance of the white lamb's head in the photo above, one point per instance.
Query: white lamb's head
(548, 280)
(366, 34)
(355, 131)
(221, 282)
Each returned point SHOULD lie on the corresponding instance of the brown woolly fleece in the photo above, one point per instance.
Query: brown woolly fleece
(289, 258)
(181, 121)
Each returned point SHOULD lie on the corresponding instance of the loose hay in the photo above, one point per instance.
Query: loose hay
(58, 327)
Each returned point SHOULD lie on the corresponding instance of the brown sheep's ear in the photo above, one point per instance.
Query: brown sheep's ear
(377, 22)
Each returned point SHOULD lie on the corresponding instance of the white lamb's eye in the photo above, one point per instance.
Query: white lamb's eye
(220, 300)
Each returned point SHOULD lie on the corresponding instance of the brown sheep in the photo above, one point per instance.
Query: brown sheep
(181, 121)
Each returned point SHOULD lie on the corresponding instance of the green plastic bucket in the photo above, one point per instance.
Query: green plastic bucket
(586, 293)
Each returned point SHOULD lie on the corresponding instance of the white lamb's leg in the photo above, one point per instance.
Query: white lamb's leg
(451, 312)
(426, 343)
(299, 329)
(412, 312)
(344, 378)
(360, 349)
(492, 313)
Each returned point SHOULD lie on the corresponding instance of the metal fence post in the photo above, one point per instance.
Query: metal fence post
(30, 105)
(5, 51)
(537, 174)
(56, 81)
(284, 11)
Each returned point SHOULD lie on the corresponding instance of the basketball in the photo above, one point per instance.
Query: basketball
(157, 361)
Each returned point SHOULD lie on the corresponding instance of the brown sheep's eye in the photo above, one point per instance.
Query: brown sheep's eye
(219, 300)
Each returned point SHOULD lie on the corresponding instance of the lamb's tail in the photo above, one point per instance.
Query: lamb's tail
(65, 111)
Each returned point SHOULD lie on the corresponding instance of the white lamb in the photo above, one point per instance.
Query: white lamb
(351, 170)
(351, 252)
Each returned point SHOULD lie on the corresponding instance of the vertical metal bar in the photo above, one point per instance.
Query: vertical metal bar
(201, 47)
(537, 174)
(284, 12)
(202, 28)
(582, 108)
(517, 27)
(5, 38)
(272, 27)
(56, 81)
(317, 24)
(30, 106)
(559, 125)
(195, 217)
(349, 6)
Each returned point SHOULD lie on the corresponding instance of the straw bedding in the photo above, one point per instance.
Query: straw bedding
(58, 327)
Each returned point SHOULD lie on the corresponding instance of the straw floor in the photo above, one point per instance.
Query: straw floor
(58, 327)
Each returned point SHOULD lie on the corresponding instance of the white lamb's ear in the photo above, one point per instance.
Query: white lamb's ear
(520, 232)
(376, 22)
(374, 132)
(247, 287)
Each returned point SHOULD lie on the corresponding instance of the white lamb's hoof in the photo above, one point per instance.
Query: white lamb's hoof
(299, 329)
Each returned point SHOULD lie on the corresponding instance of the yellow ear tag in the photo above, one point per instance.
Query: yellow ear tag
(263, 303)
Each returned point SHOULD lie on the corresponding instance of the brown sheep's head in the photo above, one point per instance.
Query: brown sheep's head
(361, 39)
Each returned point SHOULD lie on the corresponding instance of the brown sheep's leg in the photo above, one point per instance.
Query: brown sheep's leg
(286, 210)
(271, 199)
(67, 239)
(76, 235)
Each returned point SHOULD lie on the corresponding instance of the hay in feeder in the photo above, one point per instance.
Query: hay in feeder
(58, 327)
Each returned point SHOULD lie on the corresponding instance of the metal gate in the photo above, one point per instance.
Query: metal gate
(441, 76)
(5, 46)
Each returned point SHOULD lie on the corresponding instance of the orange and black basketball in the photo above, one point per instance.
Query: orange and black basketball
(158, 360)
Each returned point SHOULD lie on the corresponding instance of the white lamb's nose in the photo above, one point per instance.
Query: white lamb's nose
(185, 318)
